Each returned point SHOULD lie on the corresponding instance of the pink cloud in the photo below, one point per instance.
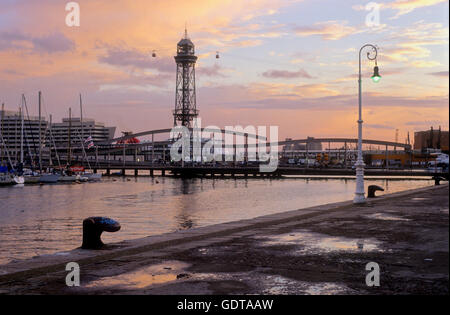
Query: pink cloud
(331, 30)
(284, 74)
(51, 43)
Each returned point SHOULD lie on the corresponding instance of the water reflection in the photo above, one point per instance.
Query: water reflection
(36, 220)
(309, 242)
(185, 219)
(142, 278)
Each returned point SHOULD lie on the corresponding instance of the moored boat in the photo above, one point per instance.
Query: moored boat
(19, 180)
(49, 178)
(68, 178)
(6, 179)
(82, 178)
(32, 179)
(10, 179)
(92, 176)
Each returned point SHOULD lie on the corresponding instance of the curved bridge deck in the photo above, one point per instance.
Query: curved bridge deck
(193, 171)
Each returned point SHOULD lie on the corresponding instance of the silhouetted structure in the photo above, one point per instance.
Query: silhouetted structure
(372, 189)
(93, 228)
(431, 139)
(185, 99)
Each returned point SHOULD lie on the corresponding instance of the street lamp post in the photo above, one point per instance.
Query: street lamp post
(359, 166)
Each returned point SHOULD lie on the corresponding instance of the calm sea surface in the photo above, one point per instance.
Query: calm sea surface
(36, 220)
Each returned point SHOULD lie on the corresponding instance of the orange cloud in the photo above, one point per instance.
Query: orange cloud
(331, 30)
(425, 64)
(407, 6)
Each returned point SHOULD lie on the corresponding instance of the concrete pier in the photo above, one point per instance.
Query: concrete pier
(318, 250)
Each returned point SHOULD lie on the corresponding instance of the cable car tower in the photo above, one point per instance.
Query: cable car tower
(185, 99)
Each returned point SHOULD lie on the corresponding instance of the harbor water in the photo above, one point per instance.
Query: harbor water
(39, 220)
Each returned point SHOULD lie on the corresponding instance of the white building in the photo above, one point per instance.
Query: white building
(90, 128)
(10, 129)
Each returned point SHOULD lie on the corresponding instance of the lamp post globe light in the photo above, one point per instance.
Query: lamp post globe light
(359, 165)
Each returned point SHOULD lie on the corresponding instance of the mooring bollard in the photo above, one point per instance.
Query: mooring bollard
(437, 180)
(372, 189)
(93, 228)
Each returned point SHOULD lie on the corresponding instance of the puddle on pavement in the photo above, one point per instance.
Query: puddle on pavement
(321, 243)
(203, 251)
(278, 285)
(386, 217)
(155, 274)
(327, 288)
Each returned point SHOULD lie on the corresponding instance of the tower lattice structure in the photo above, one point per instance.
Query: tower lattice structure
(185, 98)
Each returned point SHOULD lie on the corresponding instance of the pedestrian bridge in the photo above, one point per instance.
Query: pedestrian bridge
(153, 142)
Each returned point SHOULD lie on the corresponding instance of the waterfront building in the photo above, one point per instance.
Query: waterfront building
(431, 139)
(292, 149)
(10, 128)
(314, 146)
(97, 132)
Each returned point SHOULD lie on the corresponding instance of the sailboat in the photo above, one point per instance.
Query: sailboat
(52, 177)
(47, 178)
(30, 177)
(6, 177)
(91, 176)
(66, 176)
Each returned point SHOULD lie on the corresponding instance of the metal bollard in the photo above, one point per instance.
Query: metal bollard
(437, 180)
(93, 228)
(372, 189)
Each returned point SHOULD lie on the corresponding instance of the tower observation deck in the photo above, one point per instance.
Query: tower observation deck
(185, 99)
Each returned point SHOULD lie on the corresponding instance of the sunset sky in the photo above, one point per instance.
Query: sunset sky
(290, 63)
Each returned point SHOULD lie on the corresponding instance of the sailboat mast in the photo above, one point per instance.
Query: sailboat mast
(40, 134)
(50, 159)
(81, 117)
(7, 151)
(1, 130)
(52, 141)
(81, 120)
(21, 130)
(69, 138)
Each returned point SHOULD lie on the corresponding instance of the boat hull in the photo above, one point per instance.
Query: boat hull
(67, 179)
(49, 178)
(82, 178)
(93, 177)
(19, 180)
(32, 179)
(6, 180)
